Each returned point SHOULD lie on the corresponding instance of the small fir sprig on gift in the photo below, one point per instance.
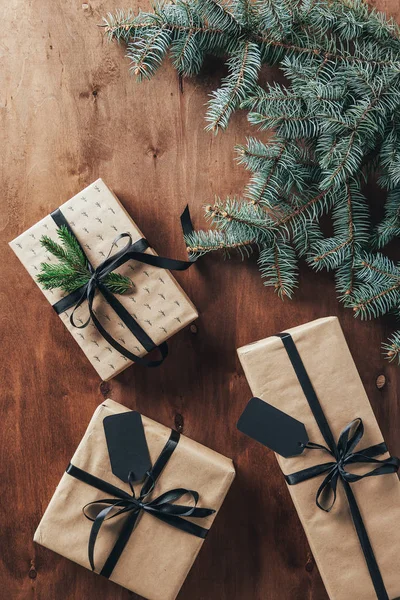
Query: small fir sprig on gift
(334, 123)
(72, 270)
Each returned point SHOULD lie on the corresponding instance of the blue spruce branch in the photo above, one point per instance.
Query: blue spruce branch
(334, 124)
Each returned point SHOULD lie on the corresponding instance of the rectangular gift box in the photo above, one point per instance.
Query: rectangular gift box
(332, 536)
(157, 557)
(158, 303)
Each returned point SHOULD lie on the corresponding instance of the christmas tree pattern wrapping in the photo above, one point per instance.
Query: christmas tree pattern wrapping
(157, 557)
(332, 536)
(157, 302)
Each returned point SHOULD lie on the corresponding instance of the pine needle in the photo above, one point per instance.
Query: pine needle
(334, 125)
(72, 270)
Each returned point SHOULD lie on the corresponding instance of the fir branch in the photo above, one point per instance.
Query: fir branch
(278, 265)
(334, 124)
(312, 209)
(69, 252)
(118, 284)
(392, 348)
(389, 227)
(256, 155)
(377, 286)
(147, 52)
(61, 276)
(314, 51)
(370, 302)
(349, 151)
(203, 242)
(240, 219)
(378, 266)
(133, 28)
(275, 17)
(72, 270)
(244, 67)
(74, 254)
(264, 161)
(351, 229)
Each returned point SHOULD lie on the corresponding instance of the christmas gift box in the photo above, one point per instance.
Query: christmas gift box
(334, 450)
(100, 237)
(159, 525)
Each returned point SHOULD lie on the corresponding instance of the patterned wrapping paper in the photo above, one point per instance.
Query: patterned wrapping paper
(157, 557)
(332, 536)
(157, 302)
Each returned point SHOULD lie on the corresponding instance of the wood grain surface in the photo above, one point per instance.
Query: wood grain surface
(71, 113)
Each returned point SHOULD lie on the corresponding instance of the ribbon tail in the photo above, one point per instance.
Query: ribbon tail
(68, 301)
(328, 491)
(161, 262)
(180, 510)
(309, 473)
(390, 465)
(372, 451)
(165, 504)
(362, 534)
(94, 532)
(119, 545)
(77, 305)
(186, 222)
(182, 524)
(350, 436)
(133, 327)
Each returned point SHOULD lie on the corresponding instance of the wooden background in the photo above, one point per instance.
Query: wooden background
(71, 113)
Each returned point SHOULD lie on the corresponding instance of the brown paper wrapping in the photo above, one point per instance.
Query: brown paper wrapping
(332, 536)
(158, 303)
(157, 557)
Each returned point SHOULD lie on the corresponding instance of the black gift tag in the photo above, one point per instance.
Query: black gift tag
(127, 446)
(275, 429)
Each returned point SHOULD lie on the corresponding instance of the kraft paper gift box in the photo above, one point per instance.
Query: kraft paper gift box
(157, 557)
(331, 535)
(157, 303)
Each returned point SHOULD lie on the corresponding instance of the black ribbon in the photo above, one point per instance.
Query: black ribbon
(162, 507)
(348, 440)
(186, 223)
(343, 455)
(131, 251)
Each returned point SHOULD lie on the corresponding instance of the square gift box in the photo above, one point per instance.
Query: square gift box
(157, 303)
(275, 375)
(157, 556)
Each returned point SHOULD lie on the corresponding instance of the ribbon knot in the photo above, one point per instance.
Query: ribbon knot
(163, 507)
(344, 455)
(109, 264)
(94, 280)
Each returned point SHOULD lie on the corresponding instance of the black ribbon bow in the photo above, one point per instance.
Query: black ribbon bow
(349, 438)
(131, 251)
(343, 454)
(162, 507)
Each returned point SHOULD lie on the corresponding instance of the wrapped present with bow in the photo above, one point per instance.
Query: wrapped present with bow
(311, 408)
(136, 502)
(115, 295)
